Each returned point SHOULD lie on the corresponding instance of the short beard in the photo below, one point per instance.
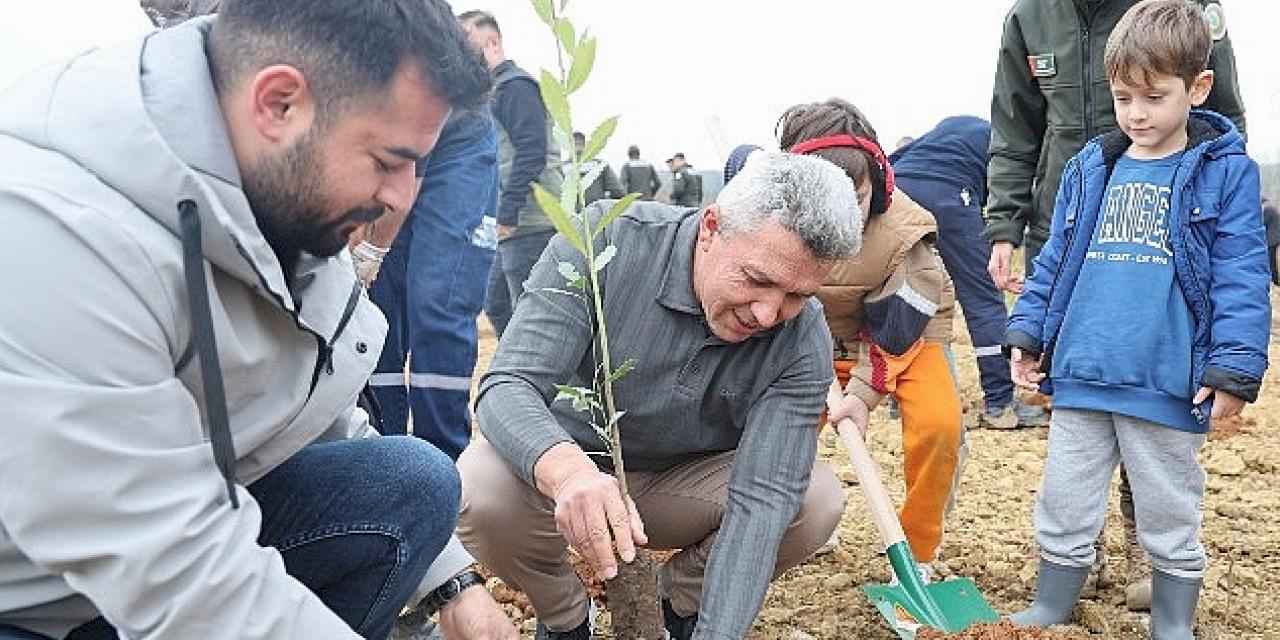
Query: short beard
(287, 196)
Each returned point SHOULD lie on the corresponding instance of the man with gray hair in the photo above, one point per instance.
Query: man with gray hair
(732, 362)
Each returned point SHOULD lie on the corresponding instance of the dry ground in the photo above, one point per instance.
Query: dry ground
(990, 534)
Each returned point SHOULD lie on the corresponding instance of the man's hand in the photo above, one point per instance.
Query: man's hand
(473, 615)
(592, 516)
(853, 408)
(1025, 370)
(1225, 405)
(505, 231)
(1000, 267)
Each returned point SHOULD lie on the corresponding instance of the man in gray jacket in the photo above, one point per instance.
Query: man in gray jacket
(181, 354)
(732, 362)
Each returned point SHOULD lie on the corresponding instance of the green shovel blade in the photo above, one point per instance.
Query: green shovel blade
(951, 605)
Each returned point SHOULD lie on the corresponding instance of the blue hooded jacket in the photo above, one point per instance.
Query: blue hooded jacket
(1219, 255)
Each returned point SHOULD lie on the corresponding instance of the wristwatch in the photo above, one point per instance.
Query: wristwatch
(442, 594)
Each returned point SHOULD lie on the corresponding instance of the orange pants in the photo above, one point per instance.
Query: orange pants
(932, 429)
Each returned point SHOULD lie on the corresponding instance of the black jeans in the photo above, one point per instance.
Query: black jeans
(357, 521)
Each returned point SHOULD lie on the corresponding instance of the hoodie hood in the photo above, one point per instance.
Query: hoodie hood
(1214, 133)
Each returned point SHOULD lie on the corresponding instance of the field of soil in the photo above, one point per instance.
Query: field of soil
(990, 536)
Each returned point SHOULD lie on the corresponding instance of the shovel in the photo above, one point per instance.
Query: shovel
(950, 605)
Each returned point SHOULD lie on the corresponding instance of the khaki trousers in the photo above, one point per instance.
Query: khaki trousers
(510, 527)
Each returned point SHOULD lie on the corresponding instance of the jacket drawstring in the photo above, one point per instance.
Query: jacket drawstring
(202, 335)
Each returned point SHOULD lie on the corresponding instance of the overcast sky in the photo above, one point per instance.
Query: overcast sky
(699, 76)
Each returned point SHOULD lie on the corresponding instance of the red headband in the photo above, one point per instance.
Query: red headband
(846, 140)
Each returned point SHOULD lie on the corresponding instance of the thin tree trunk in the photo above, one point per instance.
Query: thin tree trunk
(633, 600)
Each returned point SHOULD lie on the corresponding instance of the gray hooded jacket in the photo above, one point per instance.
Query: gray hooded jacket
(112, 503)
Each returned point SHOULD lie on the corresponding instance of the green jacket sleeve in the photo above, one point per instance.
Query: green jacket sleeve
(1017, 131)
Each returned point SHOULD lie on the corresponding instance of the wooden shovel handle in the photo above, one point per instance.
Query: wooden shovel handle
(882, 511)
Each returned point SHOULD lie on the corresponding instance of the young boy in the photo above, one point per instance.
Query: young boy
(1148, 310)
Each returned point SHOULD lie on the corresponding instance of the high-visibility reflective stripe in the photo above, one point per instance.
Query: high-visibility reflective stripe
(917, 301)
(386, 380)
(438, 381)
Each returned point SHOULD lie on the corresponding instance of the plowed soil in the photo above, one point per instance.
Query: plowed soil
(990, 535)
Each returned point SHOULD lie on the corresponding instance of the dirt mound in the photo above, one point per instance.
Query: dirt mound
(1003, 630)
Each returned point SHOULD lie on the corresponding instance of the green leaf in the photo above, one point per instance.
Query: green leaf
(571, 275)
(557, 101)
(618, 209)
(544, 10)
(565, 142)
(583, 399)
(569, 195)
(592, 175)
(627, 367)
(599, 138)
(583, 60)
(563, 223)
(603, 258)
(565, 33)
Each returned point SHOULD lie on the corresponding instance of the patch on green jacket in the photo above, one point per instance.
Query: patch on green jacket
(1217, 20)
(1042, 66)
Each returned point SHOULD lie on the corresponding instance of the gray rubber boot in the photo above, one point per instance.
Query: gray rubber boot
(1057, 590)
(1173, 606)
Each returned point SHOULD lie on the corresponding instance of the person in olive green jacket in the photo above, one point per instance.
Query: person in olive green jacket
(686, 184)
(1051, 97)
(639, 176)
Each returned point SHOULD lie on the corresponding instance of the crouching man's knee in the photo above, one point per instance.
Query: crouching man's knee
(819, 515)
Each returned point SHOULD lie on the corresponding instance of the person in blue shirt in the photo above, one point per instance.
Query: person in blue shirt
(945, 170)
(1147, 315)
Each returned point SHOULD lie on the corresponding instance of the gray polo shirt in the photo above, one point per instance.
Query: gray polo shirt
(690, 395)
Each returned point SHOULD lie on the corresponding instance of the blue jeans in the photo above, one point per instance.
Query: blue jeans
(965, 254)
(357, 521)
(511, 267)
(432, 285)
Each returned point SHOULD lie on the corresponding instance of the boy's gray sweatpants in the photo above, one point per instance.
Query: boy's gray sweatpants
(1164, 472)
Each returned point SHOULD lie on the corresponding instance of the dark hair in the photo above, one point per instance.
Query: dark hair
(480, 19)
(633, 152)
(1166, 37)
(348, 50)
(834, 117)
(579, 137)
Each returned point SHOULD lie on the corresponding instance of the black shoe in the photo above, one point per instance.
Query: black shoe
(581, 632)
(678, 627)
